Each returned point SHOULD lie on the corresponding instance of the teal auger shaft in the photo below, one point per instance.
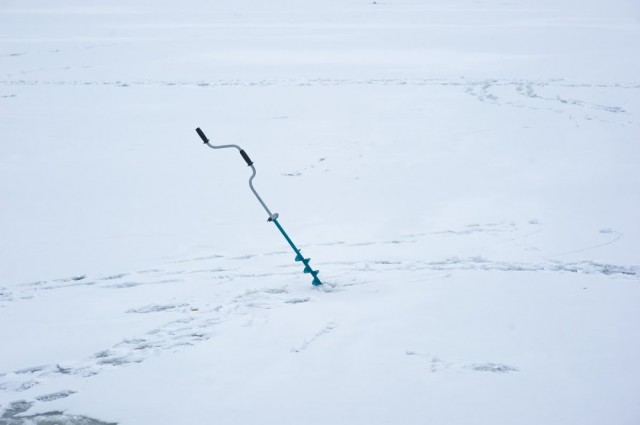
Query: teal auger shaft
(299, 257)
(272, 217)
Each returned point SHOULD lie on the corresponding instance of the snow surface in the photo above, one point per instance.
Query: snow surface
(463, 173)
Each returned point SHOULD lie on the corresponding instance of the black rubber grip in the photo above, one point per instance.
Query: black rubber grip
(202, 136)
(246, 157)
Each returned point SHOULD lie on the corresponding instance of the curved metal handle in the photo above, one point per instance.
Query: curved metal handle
(249, 162)
(206, 142)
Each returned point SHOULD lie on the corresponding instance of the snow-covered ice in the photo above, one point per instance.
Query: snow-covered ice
(463, 174)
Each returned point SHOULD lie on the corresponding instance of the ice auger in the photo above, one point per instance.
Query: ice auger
(272, 216)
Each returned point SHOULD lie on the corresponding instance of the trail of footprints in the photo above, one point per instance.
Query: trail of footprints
(560, 96)
(510, 233)
(197, 325)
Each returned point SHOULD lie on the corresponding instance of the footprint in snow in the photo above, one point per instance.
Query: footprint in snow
(55, 396)
(14, 415)
(491, 367)
(436, 364)
(328, 328)
(298, 300)
(154, 308)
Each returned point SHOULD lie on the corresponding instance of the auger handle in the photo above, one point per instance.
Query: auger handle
(202, 136)
(242, 152)
(246, 157)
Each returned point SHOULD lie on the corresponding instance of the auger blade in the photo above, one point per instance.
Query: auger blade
(310, 270)
(299, 256)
